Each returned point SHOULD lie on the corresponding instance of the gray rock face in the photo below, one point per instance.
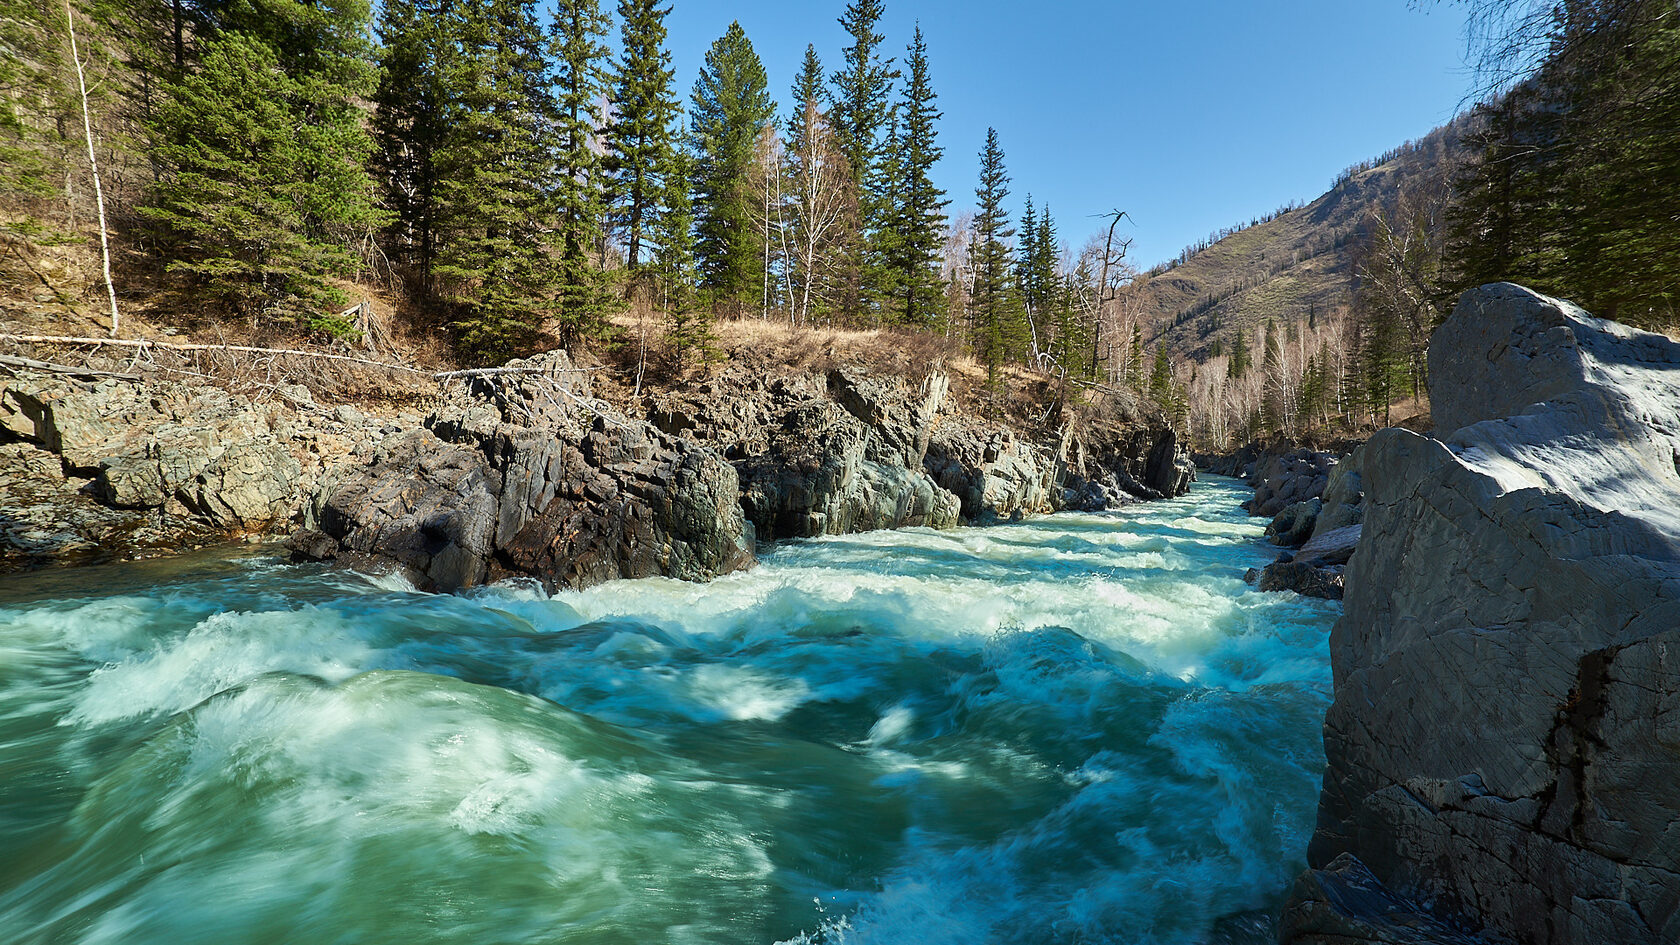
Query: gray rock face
(112, 468)
(531, 476)
(1283, 480)
(1294, 525)
(852, 452)
(1506, 726)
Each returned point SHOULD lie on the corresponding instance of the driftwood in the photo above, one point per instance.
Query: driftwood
(7, 360)
(180, 346)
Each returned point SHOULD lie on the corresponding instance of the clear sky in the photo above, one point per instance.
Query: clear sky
(1189, 115)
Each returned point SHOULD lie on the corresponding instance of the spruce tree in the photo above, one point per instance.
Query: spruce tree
(916, 217)
(688, 325)
(411, 128)
(264, 190)
(492, 273)
(998, 325)
(584, 284)
(31, 99)
(639, 143)
(807, 92)
(861, 106)
(731, 105)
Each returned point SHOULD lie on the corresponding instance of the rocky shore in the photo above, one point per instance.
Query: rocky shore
(1506, 723)
(526, 471)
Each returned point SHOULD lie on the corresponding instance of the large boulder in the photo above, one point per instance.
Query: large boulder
(1505, 732)
(526, 474)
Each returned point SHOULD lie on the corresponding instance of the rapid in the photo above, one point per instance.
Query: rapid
(1077, 729)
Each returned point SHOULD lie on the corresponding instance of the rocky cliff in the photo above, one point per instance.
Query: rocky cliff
(526, 471)
(1505, 733)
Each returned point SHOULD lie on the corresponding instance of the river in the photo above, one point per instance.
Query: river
(1079, 729)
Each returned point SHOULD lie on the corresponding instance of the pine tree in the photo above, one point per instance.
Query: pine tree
(998, 324)
(585, 286)
(861, 106)
(492, 274)
(1161, 379)
(411, 129)
(264, 190)
(688, 324)
(31, 98)
(1239, 364)
(731, 105)
(639, 144)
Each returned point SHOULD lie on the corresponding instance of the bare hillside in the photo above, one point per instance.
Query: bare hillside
(1288, 267)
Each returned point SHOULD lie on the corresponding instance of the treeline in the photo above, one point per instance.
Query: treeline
(1223, 232)
(1574, 188)
(521, 185)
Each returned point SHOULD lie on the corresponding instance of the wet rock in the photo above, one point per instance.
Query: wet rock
(1503, 737)
(1294, 524)
(1280, 481)
(529, 475)
(1343, 904)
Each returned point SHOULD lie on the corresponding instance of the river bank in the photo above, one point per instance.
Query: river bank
(541, 469)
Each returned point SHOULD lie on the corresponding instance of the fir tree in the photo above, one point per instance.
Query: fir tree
(1240, 357)
(807, 92)
(265, 188)
(995, 309)
(585, 287)
(861, 106)
(492, 273)
(640, 148)
(731, 105)
(31, 98)
(688, 324)
(1160, 378)
(411, 129)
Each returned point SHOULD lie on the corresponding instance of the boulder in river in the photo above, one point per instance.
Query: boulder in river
(1505, 731)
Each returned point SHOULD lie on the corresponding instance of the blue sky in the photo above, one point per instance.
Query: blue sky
(1190, 115)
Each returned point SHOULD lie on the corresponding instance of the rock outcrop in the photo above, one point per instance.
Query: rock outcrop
(527, 474)
(1282, 480)
(1505, 732)
(524, 472)
(95, 468)
(849, 451)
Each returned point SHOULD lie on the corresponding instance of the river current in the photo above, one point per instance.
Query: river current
(1079, 729)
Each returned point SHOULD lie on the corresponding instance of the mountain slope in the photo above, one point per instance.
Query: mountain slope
(1289, 267)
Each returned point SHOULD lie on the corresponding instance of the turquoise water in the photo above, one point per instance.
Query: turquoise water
(1080, 729)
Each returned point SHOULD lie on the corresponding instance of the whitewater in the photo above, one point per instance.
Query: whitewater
(1077, 729)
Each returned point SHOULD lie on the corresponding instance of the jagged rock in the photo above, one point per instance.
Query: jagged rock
(1344, 495)
(1280, 481)
(1294, 524)
(1302, 577)
(1168, 469)
(995, 476)
(1503, 740)
(528, 475)
(137, 469)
